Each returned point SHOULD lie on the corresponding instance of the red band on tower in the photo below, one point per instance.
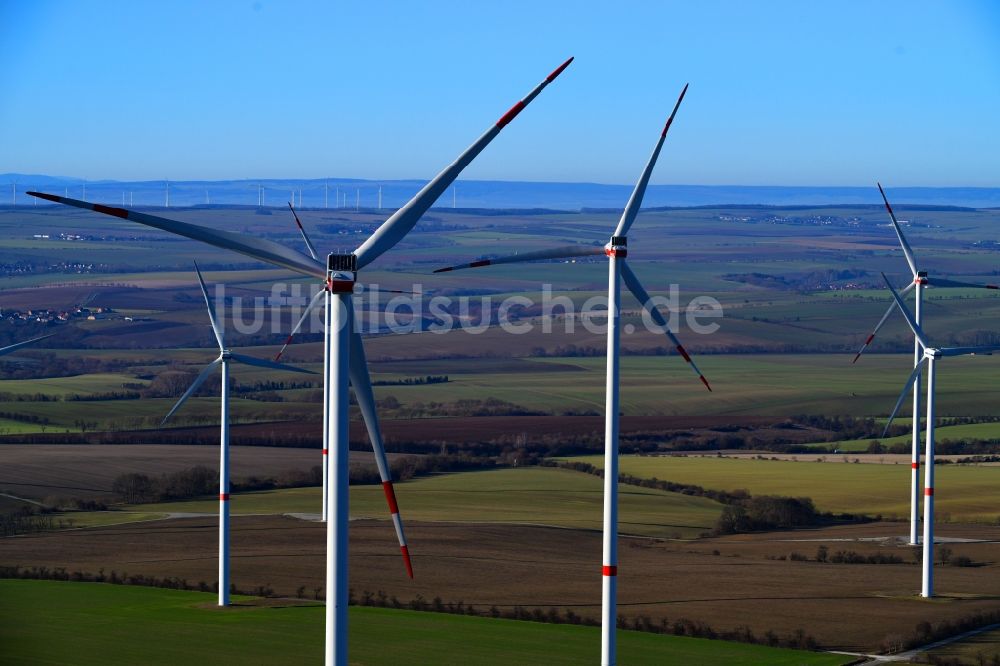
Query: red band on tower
(914, 465)
(616, 252)
(223, 497)
(607, 570)
(326, 452)
(928, 491)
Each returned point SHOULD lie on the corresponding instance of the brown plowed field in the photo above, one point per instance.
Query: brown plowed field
(844, 606)
(447, 429)
(37, 471)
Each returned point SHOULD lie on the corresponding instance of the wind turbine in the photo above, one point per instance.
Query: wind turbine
(616, 250)
(931, 355)
(225, 356)
(921, 281)
(366, 401)
(342, 344)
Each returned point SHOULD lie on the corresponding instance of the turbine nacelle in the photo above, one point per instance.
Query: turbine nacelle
(617, 247)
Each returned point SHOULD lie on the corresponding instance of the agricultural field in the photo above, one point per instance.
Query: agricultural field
(725, 582)
(963, 493)
(39, 471)
(166, 626)
(981, 648)
(799, 290)
(533, 496)
(941, 434)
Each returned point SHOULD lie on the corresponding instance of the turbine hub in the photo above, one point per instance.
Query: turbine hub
(617, 247)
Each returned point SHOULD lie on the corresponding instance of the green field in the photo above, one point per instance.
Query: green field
(542, 496)
(941, 434)
(57, 623)
(766, 385)
(963, 493)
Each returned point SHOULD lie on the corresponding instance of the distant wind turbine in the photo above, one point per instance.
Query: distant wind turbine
(920, 282)
(930, 356)
(225, 356)
(616, 250)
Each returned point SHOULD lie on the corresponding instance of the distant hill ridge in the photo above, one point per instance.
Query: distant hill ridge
(476, 194)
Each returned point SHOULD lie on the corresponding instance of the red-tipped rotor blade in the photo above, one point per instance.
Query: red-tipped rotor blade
(633, 284)
(396, 227)
(635, 201)
(555, 253)
(956, 284)
(362, 383)
(903, 393)
(302, 230)
(18, 345)
(316, 299)
(892, 306)
(907, 251)
(258, 248)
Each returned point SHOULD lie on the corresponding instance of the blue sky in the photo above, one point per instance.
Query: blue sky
(782, 93)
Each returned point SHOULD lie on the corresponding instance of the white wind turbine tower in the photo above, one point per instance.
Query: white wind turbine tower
(931, 355)
(920, 282)
(225, 356)
(342, 345)
(616, 250)
(367, 411)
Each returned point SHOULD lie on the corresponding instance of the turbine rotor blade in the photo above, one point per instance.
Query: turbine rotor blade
(198, 381)
(903, 393)
(399, 224)
(633, 284)
(917, 331)
(940, 282)
(264, 363)
(635, 201)
(18, 345)
(211, 312)
(907, 251)
(302, 230)
(257, 248)
(362, 383)
(316, 299)
(892, 306)
(965, 351)
(555, 253)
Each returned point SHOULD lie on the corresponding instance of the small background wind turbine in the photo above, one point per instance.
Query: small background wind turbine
(921, 280)
(930, 356)
(225, 356)
(616, 250)
(343, 347)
